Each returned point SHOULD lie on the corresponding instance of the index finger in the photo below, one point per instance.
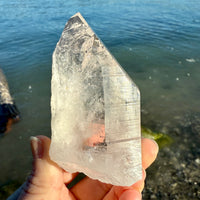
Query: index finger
(149, 152)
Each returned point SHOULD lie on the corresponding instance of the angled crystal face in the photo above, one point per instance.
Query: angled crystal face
(95, 109)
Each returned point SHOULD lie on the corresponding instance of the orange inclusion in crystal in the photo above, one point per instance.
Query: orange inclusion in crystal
(99, 135)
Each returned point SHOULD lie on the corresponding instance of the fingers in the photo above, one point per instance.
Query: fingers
(126, 193)
(139, 185)
(130, 194)
(40, 179)
(40, 151)
(122, 193)
(40, 147)
(69, 177)
(46, 180)
(90, 189)
(149, 152)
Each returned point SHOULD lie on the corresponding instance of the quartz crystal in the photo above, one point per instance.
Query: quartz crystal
(95, 109)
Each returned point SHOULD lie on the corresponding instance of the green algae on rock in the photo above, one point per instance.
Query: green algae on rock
(161, 138)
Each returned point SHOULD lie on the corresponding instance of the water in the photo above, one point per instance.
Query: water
(157, 42)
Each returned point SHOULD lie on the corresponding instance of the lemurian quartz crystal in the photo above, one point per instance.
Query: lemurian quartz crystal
(95, 109)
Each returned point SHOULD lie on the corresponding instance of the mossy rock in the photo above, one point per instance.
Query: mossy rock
(161, 138)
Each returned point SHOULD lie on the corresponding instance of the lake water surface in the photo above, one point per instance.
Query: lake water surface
(157, 42)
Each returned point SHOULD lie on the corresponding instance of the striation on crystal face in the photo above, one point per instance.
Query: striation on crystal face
(95, 109)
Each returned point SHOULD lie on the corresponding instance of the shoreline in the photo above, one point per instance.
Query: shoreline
(175, 173)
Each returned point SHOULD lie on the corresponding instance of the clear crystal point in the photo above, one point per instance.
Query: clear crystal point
(95, 109)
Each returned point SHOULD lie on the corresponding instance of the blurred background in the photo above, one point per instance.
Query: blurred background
(156, 42)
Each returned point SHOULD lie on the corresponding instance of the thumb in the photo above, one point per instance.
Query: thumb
(45, 176)
(39, 147)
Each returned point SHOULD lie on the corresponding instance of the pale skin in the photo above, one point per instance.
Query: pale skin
(48, 181)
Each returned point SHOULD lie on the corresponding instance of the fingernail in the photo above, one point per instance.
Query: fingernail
(36, 147)
(156, 146)
(143, 173)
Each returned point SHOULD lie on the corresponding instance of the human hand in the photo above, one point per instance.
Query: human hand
(48, 181)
